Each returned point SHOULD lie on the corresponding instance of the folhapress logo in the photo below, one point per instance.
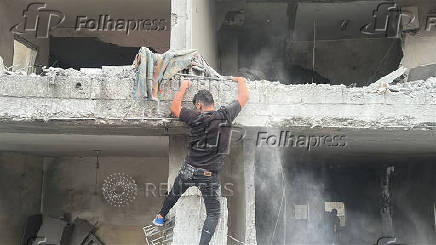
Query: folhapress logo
(386, 19)
(390, 20)
(39, 20)
(431, 23)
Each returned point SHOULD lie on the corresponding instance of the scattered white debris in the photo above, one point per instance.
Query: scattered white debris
(95, 71)
(382, 84)
(117, 69)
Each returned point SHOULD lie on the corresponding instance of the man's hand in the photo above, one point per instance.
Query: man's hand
(243, 95)
(237, 79)
(176, 106)
(185, 84)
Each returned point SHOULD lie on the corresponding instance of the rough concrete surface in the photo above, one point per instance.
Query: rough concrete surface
(105, 96)
(190, 215)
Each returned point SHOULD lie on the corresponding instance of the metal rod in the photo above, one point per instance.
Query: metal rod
(223, 78)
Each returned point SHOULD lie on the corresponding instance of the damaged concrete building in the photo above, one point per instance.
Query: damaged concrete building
(342, 116)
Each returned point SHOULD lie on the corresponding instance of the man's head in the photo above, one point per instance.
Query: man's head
(203, 101)
(334, 212)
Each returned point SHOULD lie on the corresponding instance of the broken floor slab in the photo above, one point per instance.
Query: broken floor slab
(105, 97)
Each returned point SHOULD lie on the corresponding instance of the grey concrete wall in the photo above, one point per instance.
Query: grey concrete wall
(194, 26)
(204, 30)
(105, 98)
(71, 185)
(20, 193)
(11, 13)
(181, 24)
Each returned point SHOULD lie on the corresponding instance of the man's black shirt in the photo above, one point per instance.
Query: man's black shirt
(210, 135)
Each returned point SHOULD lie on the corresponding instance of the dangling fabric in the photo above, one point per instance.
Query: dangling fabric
(139, 90)
(150, 68)
(153, 70)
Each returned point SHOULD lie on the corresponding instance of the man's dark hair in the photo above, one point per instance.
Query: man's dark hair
(203, 96)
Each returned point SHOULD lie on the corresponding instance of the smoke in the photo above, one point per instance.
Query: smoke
(290, 215)
(273, 59)
(287, 183)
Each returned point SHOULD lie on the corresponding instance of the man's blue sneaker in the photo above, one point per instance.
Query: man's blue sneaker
(158, 221)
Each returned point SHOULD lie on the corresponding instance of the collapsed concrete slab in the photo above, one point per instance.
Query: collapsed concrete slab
(104, 96)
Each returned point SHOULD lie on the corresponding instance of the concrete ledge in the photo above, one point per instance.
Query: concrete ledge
(107, 95)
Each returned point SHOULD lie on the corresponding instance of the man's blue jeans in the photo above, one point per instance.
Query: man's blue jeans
(210, 189)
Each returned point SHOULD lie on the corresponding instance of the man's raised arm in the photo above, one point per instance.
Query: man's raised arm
(176, 106)
(243, 95)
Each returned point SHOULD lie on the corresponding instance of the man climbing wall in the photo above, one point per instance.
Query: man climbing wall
(210, 137)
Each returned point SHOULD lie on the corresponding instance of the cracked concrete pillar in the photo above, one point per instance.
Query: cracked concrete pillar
(2, 66)
(181, 24)
(190, 211)
(249, 156)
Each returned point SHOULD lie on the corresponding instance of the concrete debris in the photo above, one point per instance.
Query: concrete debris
(383, 83)
(47, 230)
(83, 232)
(91, 71)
